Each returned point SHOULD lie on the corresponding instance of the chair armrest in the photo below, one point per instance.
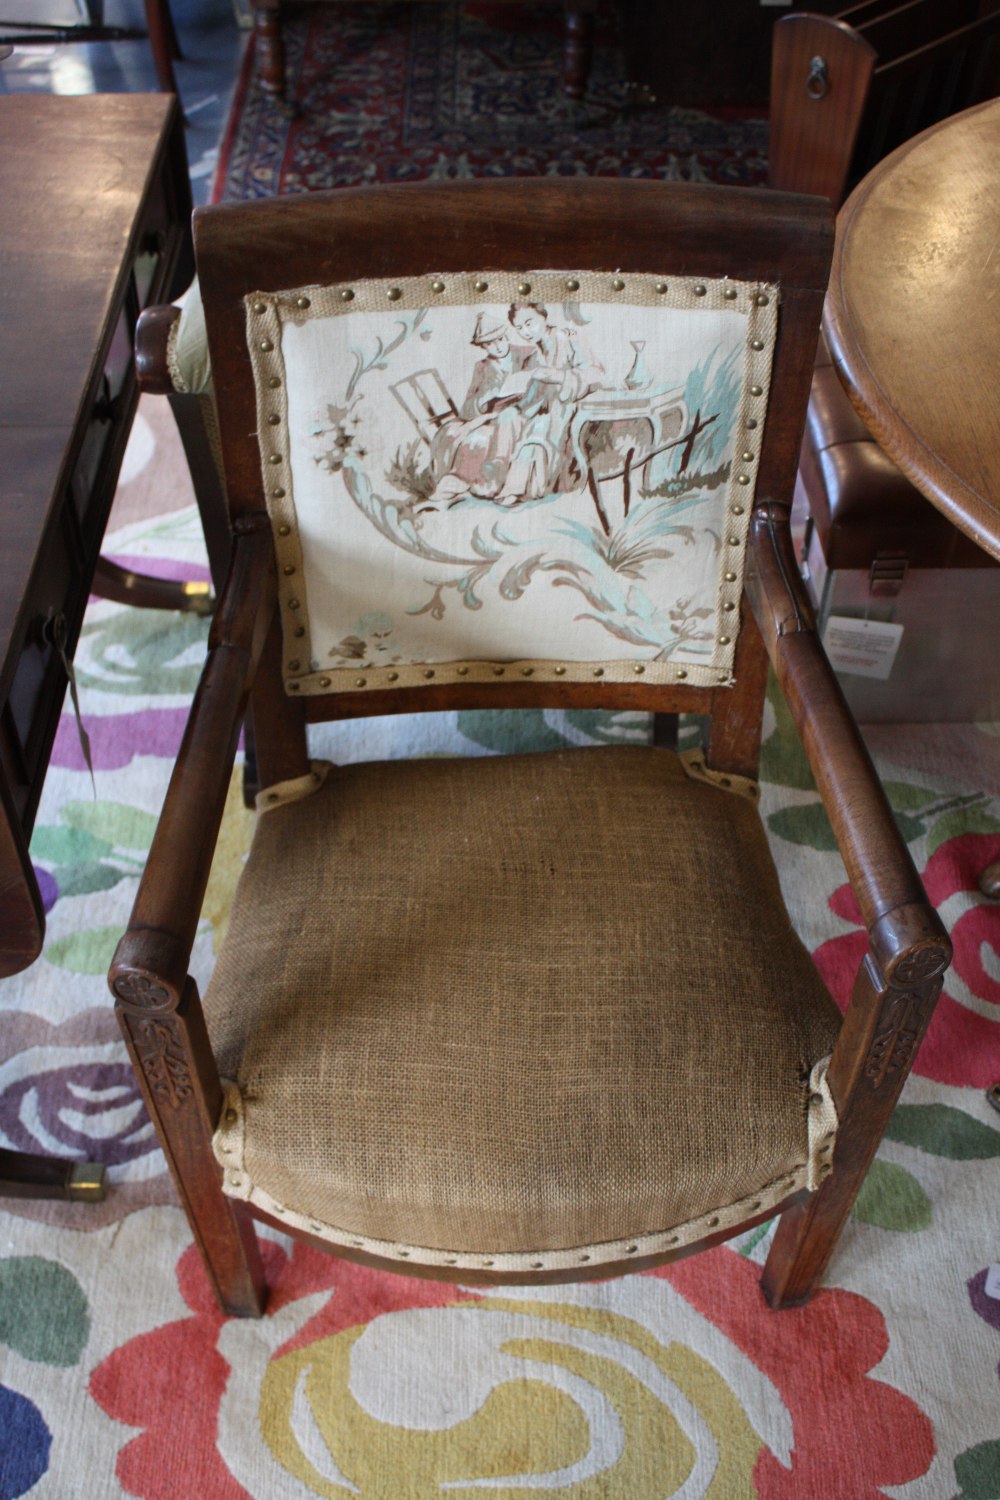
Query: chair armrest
(151, 960)
(171, 348)
(153, 333)
(906, 935)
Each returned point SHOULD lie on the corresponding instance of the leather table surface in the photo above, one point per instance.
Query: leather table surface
(913, 314)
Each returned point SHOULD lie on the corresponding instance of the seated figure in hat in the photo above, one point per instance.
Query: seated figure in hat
(470, 455)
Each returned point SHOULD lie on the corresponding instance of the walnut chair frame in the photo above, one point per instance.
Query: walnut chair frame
(433, 230)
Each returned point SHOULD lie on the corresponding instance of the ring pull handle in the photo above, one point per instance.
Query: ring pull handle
(818, 81)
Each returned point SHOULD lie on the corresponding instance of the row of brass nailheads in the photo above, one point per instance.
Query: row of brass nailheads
(430, 672)
(524, 287)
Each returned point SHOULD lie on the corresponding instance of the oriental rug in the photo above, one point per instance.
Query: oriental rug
(118, 1375)
(384, 92)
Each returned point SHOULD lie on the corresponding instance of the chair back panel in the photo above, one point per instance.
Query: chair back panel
(545, 472)
(478, 489)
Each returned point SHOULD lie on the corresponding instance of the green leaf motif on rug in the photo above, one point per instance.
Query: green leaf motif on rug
(510, 731)
(87, 952)
(99, 845)
(518, 731)
(67, 846)
(978, 1472)
(954, 824)
(941, 1130)
(782, 758)
(892, 1198)
(44, 1314)
(143, 656)
(806, 824)
(126, 827)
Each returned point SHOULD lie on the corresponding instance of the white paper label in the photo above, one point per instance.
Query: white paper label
(992, 1287)
(866, 648)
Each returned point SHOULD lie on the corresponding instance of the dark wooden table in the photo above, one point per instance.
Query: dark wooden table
(95, 214)
(913, 320)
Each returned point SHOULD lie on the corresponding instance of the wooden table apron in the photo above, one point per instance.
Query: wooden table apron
(913, 314)
(94, 225)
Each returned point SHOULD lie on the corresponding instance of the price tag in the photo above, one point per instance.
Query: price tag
(865, 648)
(992, 1287)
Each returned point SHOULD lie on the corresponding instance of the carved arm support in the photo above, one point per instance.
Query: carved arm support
(150, 964)
(908, 940)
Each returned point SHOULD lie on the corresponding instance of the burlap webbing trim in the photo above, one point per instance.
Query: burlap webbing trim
(279, 793)
(177, 376)
(694, 765)
(228, 1143)
(267, 312)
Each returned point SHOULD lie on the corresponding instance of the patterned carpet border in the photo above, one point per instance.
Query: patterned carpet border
(396, 92)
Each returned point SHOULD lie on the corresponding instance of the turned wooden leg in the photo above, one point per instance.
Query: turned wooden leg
(163, 42)
(170, 1051)
(577, 49)
(270, 46)
(122, 586)
(23, 1175)
(883, 1028)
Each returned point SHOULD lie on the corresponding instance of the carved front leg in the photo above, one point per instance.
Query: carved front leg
(168, 1043)
(883, 1028)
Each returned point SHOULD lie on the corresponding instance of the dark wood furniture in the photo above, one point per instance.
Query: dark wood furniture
(847, 89)
(913, 315)
(96, 225)
(913, 320)
(159, 23)
(270, 46)
(437, 231)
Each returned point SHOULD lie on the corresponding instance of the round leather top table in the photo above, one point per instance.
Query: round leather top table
(913, 314)
(913, 321)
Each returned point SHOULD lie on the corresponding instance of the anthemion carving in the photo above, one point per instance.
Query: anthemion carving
(141, 991)
(159, 1049)
(896, 1038)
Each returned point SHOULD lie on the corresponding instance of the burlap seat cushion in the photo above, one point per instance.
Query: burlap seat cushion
(513, 1005)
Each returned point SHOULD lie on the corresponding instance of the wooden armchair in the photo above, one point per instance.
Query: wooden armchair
(577, 46)
(848, 89)
(526, 1018)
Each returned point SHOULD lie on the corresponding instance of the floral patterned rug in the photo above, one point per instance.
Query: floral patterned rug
(390, 92)
(118, 1375)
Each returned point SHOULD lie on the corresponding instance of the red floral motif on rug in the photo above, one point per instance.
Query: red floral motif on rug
(817, 1360)
(962, 1044)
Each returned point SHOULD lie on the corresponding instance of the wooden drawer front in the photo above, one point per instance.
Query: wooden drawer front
(39, 682)
(107, 413)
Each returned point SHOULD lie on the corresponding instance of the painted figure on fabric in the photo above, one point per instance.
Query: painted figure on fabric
(511, 439)
(563, 372)
(471, 456)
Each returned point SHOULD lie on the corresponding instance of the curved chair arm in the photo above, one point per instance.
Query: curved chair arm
(154, 953)
(907, 937)
(171, 348)
(152, 341)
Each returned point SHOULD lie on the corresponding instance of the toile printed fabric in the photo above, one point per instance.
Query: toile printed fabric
(549, 473)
